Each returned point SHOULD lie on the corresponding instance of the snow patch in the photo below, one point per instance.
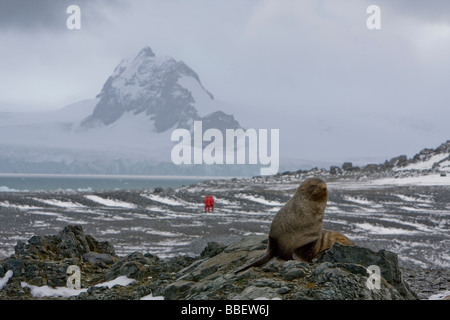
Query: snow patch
(5, 279)
(119, 281)
(156, 232)
(424, 165)
(226, 202)
(439, 296)
(155, 209)
(7, 204)
(46, 291)
(45, 213)
(376, 229)
(165, 200)
(259, 200)
(411, 209)
(111, 202)
(358, 200)
(203, 101)
(422, 180)
(413, 199)
(59, 203)
(109, 231)
(151, 297)
(444, 165)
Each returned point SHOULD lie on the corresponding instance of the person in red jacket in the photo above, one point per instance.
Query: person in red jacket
(207, 203)
(211, 203)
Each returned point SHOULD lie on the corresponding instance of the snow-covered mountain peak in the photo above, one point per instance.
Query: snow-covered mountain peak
(147, 52)
(168, 91)
(126, 129)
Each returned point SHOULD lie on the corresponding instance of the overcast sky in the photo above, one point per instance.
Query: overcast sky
(293, 63)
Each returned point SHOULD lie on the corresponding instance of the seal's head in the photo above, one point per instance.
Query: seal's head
(314, 189)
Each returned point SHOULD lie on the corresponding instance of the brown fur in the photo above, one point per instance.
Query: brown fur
(297, 226)
(328, 239)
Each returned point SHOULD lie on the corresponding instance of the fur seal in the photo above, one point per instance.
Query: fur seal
(297, 226)
(328, 239)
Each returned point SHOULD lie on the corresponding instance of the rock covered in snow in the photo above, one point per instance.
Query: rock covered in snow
(427, 160)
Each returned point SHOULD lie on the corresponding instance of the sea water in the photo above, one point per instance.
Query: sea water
(26, 182)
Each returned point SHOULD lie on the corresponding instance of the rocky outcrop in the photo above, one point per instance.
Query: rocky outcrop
(338, 273)
(71, 242)
(426, 161)
(44, 260)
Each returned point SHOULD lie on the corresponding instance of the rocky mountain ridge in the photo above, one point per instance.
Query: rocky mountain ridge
(169, 92)
(427, 161)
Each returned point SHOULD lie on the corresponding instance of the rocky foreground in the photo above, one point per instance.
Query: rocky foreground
(38, 270)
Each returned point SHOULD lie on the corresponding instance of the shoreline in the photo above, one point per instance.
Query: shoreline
(94, 182)
(112, 176)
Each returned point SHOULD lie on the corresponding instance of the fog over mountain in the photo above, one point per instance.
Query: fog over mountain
(336, 90)
(126, 129)
(168, 92)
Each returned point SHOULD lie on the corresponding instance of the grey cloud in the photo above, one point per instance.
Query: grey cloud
(434, 11)
(35, 15)
(319, 62)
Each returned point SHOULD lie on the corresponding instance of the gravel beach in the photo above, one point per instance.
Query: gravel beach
(412, 221)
